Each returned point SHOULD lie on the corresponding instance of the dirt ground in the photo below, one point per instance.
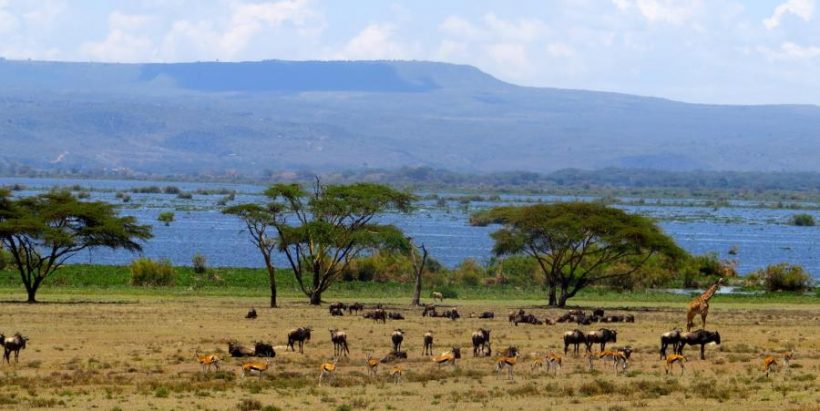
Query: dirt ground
(138, 353)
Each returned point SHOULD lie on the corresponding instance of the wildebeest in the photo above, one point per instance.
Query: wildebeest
(377, 315)
(13, 344)
(481, 338)
(299, 335)
(513, 314)
(574, 337)
(251, 314)
(262, 349)
(393, 356)
(239, 350)
(428, 343)
(339, 339)
(601, 336)
(397, 337)
(355, 307)
(598, 312)
(395, 316)
(527, 319)
(699, 337)
(336, 312)
(670, 338)
(487, 314)
(429, 311)
(337, 306)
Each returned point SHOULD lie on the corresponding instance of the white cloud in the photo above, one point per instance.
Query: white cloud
(8, 22)
(791, 51)
(458, 27)
(373, 42)
(560, 50)
(523, 30)
(803, 9)
(674, 12)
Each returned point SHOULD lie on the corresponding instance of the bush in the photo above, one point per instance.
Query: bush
(166, 217)
(5, 259)
(803, 220)
(469, 272)
(200, 263)
(185, 196)
(782, 277)
(147, 272)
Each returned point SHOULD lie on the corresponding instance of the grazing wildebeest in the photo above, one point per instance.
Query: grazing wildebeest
(481, 338)
(397, 338)
(263, 350)
(13, 344)
(602, 336)
(699, 337)
(299, 335)
(487, 314)
(355, 307)
(337, 306)
(339, 339)
(251, 314)
(574, 337)
(336, 312)
(428, 343)
(670, 338)
(238, 350)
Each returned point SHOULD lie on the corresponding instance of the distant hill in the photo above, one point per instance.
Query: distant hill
(259, 117)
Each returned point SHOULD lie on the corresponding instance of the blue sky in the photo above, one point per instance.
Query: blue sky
(710, 51)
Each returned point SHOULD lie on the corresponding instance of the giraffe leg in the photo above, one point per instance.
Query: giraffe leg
(703, 315)
(690, 316)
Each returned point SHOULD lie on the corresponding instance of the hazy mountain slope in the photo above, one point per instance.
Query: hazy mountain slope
(275, 115)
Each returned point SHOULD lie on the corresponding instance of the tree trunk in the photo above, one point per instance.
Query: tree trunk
(562, 302)
(316, 297)
(553, 301)
(31, 291)
(271, 280)
(417, 290)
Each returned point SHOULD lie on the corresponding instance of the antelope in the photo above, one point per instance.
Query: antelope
(787, 358)
(207, 361)
(506, 362)
(397, 338)
(675, 358)
(769, 365)
(618, 358)
(255, 367)
(554, 362)
(328, 370)
(299, 335)
(372, 364)
(448, 357)
(589, 358)
(395, 374)
(339, 339)
(15, 344)
(537, 363)
(428, 343)
(438, 296)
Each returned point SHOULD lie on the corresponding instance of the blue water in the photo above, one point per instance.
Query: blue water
(761, 236)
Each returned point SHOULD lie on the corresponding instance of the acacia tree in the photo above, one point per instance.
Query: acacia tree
(42, 232)
(577, 244)
(333, 225)
(258, 221)
(419, 261)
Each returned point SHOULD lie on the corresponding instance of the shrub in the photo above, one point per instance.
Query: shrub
(469, 272)
(185, 196)
(803, 220)
(147, 272)
(200, 263)
(171, 190)
(249, 405)
(166, 217)
(5, 259)
(782, 277)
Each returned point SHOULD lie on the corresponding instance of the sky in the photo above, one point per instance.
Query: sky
(704, 51)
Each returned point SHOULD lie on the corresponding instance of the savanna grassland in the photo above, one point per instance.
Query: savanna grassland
(136, 351)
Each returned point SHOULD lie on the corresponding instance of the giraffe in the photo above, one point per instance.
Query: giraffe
(700, 305)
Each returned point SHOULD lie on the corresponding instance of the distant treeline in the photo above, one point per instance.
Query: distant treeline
(613, 181)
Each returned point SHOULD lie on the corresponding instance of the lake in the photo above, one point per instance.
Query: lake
(761, 236)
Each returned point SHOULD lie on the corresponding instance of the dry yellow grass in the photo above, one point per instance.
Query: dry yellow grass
(138, 353)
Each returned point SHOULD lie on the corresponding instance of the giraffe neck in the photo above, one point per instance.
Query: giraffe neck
(710, 292)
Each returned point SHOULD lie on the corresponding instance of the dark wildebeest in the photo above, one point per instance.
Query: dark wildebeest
(452, 314)
(251, 314)
(378, 315)
(481, 338)
(513, 314)
(393, 356)
(263, 350)
(429, 311)
(598, 312)
(574, 337)
(527, 319)
(629, 318)
(670, 338)
(355, 307)
(337, 306)
(299, 335)
(395, 316)
(602, 336)
(238, 350)
(397, 338)
(699, 337)
(336, 312)
(339, 339)
(13, 344)
(487, 314)
(428, 343)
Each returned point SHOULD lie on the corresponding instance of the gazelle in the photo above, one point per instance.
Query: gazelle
(255, 367)
(675, 358)
(769, 365)
(395, 374)
(328, 370)
(554, 362)
(589, 358)
(207, 361)
(448, 357)
(372, 364)
(787, 358)
(618, 358)
(537, 363)
(506, 362)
